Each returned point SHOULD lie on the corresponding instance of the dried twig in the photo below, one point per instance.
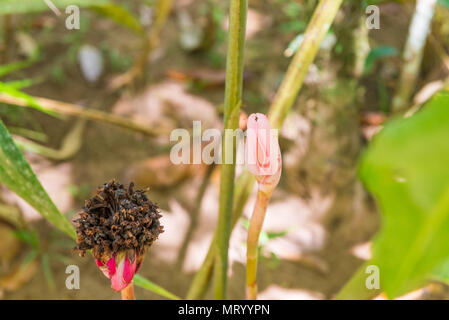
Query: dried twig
(85, 113)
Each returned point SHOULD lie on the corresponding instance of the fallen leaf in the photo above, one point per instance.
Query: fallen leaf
(169, 103)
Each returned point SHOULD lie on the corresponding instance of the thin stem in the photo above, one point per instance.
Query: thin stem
(361, 46)
(128, 292)
(202, 278)
(413, 52)
(255, 227)
(233, 96)
(85, 113)
(297, 70)
(288, 91)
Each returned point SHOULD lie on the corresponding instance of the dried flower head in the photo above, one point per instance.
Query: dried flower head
(118, 224)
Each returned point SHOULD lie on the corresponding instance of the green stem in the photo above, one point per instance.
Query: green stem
(201, 281)
(233, 96)
(202, 278)
(255, 227)
(283, 102)
(294, 78)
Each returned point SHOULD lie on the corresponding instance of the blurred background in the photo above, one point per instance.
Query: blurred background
(133, 71)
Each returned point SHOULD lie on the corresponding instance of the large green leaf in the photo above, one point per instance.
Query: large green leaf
(442, 272)
(17, 175)
(28, 6)
(406, 167)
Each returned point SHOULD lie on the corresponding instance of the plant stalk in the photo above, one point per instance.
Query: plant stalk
(128, 292)
(294, 78)
(252, 253)
(84, 113)
(202, 278)
(413, 52)
(233, 96)
(292, 83)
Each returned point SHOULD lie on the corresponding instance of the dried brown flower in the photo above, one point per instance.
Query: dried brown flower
(117, 219)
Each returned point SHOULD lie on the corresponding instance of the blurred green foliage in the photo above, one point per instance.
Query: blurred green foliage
(377, 54)
(406, 168)
(444, 3)
(28, 6)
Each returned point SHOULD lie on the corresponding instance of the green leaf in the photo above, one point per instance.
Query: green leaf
(147, 284)
(17, 175)
(406, 168)
(20, 84)
(245, 223)
(263, 239)
(120, 15)
(28, 6)
(274, 235)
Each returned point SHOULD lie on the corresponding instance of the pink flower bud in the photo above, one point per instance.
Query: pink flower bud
(263, 156)
(120, 268)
